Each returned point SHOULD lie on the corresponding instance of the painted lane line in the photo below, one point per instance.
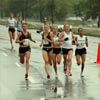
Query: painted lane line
(4, 54)
(17, 64)
(31, 79)
(42, 98)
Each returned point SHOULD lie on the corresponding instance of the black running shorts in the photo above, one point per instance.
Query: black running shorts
(80, 51)
(65, 51)
(11, 29)
(57, 50)
(24, 49)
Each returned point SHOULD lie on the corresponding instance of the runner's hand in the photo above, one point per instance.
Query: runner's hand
(66, 39)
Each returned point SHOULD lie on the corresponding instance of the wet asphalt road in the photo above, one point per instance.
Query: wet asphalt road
(13, 86)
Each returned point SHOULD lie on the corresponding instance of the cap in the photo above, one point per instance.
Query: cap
(45, 19)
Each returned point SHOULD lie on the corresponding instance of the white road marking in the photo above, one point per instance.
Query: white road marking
(4, 54)
(31, 79)
(18, 65)
(42, 98)
(60, 91)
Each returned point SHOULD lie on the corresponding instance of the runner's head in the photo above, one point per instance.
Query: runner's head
(80, 31)
(66, 27)
(11, 15)
(20, 18)
(54, 29)
(24, 26)
(46, 28)
(45, 21)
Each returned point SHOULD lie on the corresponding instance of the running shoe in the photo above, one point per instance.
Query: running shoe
(48, 76)
(65, 71)
(56, 75)
(12, 47)
(81, 75)
(26, 76)
(70, 74)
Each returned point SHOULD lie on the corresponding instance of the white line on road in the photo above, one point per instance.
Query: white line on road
(42, 98)
(31, 79)
(4, 54)
(17, 64)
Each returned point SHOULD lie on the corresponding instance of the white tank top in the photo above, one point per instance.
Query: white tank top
(11, 22)
(67, 44)
(81, 42)
(56, 36)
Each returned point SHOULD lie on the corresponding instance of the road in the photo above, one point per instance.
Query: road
(13, 86)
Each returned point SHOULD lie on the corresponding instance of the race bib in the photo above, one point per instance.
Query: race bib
(26, 43)
(81, 43)
(45, 42)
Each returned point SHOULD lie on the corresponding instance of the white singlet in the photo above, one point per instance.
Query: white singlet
(67, 44)
(81, 42)
(12, 22)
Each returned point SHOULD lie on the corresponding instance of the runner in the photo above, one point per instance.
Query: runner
(80, 51)
(45, 22)
(11, 23)
(56, 49)
(24, 49)
(67, 49)
(19, 24)
(47, 49)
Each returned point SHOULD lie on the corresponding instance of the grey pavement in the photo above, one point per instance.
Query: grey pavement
(13, 86)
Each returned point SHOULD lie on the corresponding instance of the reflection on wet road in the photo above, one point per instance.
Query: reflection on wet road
(13, 86)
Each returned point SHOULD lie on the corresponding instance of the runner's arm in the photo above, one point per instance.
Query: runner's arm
(51, 41)
(17, 39)
(60, 38)
(86, 39)
(73, 39)
(32, 39)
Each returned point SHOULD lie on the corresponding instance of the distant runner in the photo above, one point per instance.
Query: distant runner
(19, 24)
(80, 51)
(45, 22)
(11, 23)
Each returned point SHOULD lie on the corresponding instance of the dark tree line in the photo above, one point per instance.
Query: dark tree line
(52, 9)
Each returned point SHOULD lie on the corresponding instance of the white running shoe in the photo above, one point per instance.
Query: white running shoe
(81, 75)
(56, 75)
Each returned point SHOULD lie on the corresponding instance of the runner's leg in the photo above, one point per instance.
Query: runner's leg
(27, 55)
(46, 60)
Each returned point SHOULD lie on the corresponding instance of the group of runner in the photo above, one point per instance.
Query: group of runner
(23, 37)
(54, 45)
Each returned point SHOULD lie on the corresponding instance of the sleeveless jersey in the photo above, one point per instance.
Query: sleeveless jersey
(67, 44)
(26, 38)
(11, 22)
(56, 43)
(81, 42)
(45, 42)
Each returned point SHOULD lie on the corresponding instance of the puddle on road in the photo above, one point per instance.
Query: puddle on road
(53, 88)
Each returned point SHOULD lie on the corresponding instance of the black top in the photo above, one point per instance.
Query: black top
(45, 42)
(22, 37)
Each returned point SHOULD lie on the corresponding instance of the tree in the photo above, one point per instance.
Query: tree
(87, 8)
(3, 7)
